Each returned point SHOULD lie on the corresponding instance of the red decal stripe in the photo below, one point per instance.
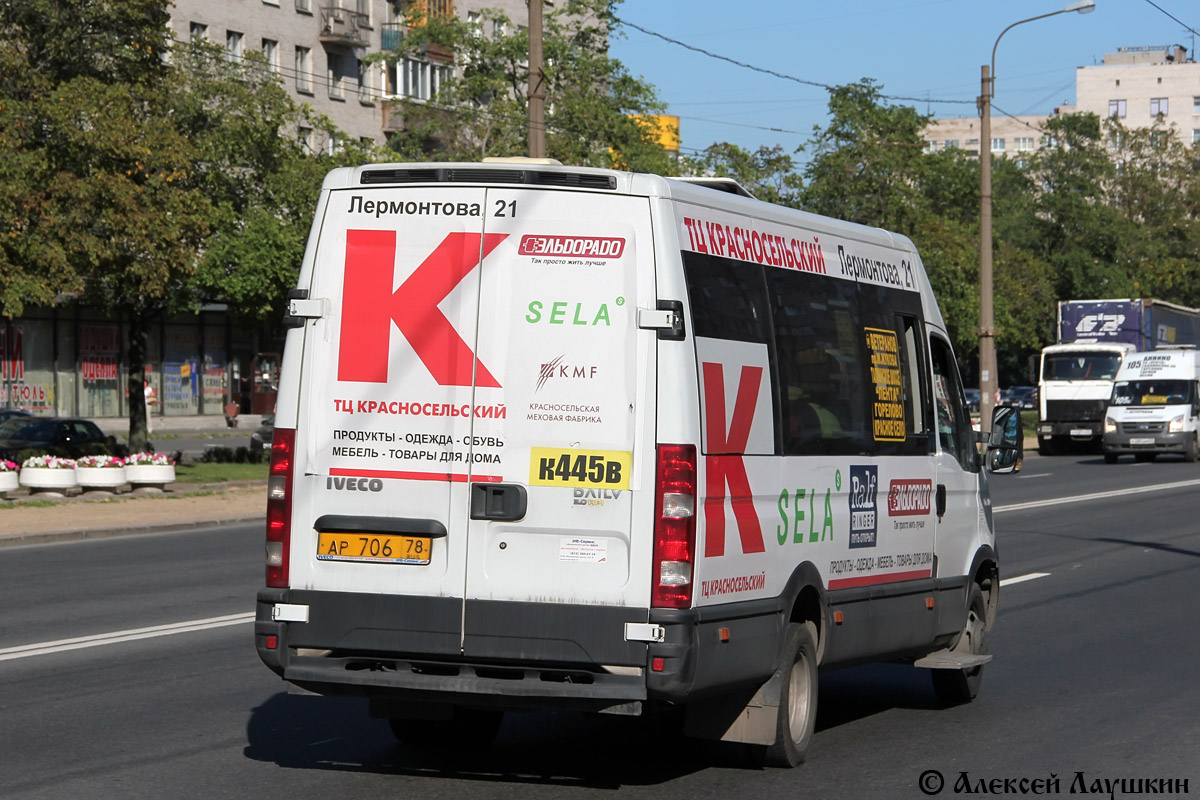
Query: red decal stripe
(872, 580)
(450, 477)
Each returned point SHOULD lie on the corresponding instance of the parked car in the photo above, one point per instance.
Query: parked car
(1020, 396)
(972, 400)
(65, 436)
(260, 440)
(9, 413)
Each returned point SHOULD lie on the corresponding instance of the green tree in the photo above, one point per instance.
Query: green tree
(867, 163)
(104, 166)
(591, 99)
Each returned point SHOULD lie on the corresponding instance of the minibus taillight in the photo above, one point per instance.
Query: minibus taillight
(279, 507)
(674, 526)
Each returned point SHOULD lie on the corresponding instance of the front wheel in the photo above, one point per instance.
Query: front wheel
(1110, 458)
(797, 713)
(961, 685)
(1189, 455)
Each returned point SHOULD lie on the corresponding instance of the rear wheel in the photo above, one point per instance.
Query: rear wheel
(797, 713)
(961, 685)
(467, 727)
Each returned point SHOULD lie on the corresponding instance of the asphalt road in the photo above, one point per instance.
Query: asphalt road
(1094, 674)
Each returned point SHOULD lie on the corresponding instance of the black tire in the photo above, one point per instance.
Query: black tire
(962, 685)
(1049, 446)
(1189, 455)
(467, 728)
(797, 714)
(1110, 458)
(1143, 458)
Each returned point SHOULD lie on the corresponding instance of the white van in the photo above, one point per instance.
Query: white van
(1155, 406)
(552, 437)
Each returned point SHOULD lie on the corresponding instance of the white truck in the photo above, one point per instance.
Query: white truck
(1077, 374)
(1155, 407)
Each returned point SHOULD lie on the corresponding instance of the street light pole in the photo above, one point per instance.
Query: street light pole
(988, 379)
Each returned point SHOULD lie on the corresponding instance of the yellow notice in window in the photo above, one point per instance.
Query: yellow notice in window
(887, 409)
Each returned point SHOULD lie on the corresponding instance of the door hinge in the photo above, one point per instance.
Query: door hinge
(644, 632)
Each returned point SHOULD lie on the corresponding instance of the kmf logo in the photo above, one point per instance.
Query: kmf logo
(369, 307)
(557, 369)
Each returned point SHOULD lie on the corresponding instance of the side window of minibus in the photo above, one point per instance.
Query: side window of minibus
(897, 380)
(818, 338)
(955, 434)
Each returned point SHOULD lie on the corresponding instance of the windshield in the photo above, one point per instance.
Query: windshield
(1152, 393)
(1080, 366)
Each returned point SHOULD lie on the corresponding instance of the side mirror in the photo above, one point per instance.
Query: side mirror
(1006, 445)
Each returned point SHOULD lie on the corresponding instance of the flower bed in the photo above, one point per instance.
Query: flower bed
(149, 469)
(102, 472)
(8, 476)
(48, 472)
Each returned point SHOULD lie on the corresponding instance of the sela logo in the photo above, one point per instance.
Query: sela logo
(729, 469)
(907, 498)
(1100, 324)
(369, 307)
(864, 486)
(354, 484)
(584, 246)
(557, 369)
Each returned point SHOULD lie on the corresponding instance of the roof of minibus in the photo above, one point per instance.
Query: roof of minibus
(371, 176)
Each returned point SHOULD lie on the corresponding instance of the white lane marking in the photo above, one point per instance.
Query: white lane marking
(1035, 475)
(81, 642)
(1081, 498)
(1033, 576)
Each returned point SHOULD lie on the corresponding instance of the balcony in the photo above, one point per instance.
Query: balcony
(344, 27)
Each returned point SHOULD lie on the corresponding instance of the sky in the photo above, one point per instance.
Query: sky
(931, 49)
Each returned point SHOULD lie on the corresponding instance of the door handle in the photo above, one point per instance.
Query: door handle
(941, 501)
(498, 501)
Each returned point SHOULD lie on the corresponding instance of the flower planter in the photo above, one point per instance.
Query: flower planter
(57, 479)
(149, 474)
(8, 482)
(100, 477)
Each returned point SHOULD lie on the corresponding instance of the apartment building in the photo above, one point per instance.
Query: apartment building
(1141, 84)
(1011, 136)
(317, 47)
(1138, 85)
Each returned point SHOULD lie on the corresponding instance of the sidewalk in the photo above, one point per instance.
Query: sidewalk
(96, 515)
(209, 423)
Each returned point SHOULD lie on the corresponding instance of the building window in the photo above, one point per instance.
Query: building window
(364, 83)
(199, 32)
(1158, 105)
(1195, 136)
(233, 46)
(1116, 108)
(305, 137)
(270, 50)
(949, 143)
(997, 145)
(334, 75)
(304, 6)
(1196, 105)
(303, 70)
(1025, 143)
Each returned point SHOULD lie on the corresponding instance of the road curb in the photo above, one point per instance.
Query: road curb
(43, 537)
